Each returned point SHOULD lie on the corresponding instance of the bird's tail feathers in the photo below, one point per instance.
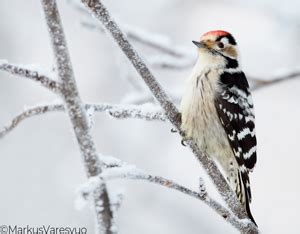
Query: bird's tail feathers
(244, 193)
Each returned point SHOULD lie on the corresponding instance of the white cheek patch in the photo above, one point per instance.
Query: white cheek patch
(225, 40)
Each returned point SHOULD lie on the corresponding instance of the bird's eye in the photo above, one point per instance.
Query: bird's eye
(221, 45)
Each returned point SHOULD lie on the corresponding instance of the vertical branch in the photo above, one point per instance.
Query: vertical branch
(77, 112)
(100, 12)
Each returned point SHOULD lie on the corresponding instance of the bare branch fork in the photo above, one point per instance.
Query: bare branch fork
(100, 12)
(77, 113)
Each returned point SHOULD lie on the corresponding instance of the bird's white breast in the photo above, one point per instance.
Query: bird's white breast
(199, 117)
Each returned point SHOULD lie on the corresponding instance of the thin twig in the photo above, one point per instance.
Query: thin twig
(39, 110)
(153, 40)
(20, 71)
(259, 83)
(77, 113)
(115, 110)
(138, 112)
(171, 56)
(100, 12)
(126, 171)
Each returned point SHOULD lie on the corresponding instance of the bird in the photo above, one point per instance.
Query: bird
(217, 111)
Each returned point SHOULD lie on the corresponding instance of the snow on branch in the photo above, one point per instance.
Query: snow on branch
(28, 73)
(147, 112)
(77, 114)
(122, 170)
(100, 12)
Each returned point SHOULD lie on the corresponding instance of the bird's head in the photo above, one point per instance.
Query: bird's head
(218, 43)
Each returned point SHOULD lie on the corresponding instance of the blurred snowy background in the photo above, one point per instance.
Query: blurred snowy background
(40, 164)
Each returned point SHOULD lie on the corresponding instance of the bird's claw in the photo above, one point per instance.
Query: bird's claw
(183, 142)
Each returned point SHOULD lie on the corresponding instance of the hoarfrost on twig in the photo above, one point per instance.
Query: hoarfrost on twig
(32, 72)
(119, 111)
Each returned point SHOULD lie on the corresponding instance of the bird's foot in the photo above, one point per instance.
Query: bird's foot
(184, 139)
(173, 130)
(183, 142)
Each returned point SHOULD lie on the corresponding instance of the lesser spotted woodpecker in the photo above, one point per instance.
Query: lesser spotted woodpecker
(217, 111)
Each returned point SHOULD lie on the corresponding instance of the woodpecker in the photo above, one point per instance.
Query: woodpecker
(217, 111)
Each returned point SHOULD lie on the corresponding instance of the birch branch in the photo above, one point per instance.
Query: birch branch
(23, 72)
(114, 110)
(100, 12)
(77, 113)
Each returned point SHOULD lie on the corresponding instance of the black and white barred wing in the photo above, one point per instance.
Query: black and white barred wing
(235, 109)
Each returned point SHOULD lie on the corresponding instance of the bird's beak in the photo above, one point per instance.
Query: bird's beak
(200, 44)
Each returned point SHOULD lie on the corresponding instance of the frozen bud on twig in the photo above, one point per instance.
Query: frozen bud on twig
(109, 161)
(202, 188)
(84, 191)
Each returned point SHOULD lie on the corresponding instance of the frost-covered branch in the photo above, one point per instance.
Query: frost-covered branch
(145, 112)
(39, 110)
(77, 114)
(100, 12)
(119, 173)
(116, 169)
(26, 72)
